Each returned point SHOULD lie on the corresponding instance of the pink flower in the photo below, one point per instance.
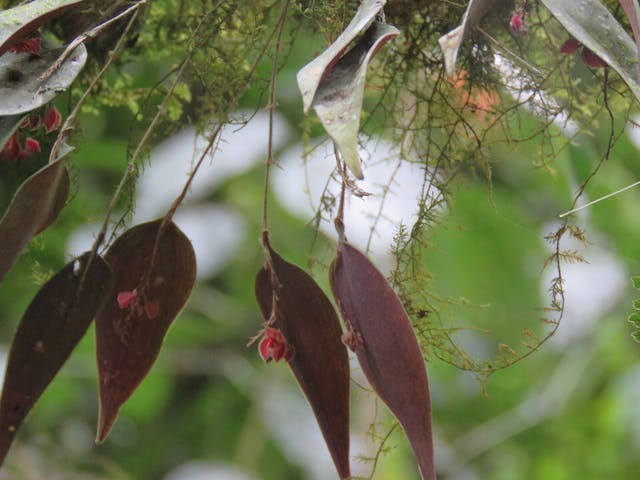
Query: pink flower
(517, 24)
(591, 59)
(274, 346)
(11, 150)
(33, 122)
(31, 145)
(570, 46)
(30, 45)
(52, 120)
(152, 309)
(126, 298)
(588, 57)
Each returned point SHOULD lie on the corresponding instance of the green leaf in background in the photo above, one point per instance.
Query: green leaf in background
(594, 26)
(19, 22)
(634, 318)
(636, 282)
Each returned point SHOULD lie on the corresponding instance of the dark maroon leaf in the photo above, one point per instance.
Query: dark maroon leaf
(318, 360)
(36, 204)
(386, 346)
(54, 323)
(146, 299)
(17, 23)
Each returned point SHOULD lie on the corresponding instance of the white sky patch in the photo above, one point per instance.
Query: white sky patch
(521, 86)
(299, 186)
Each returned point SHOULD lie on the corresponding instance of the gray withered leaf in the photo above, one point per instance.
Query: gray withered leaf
(35, 206)
(310, 76)
(386, 346)
(450, 42)
(338, 99)
(592, 24)
(17, 23)
(129, 334)
(52, 326)
(21, 86)
(319, 362)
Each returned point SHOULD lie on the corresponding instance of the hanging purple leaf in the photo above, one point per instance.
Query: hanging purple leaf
(54, 323)
(307, 334)
(35, 205)
(383, 339)
(149, 291)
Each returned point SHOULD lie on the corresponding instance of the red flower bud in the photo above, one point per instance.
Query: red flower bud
(126, 299)
(31, 146)
(517, 24)
(570, 46)
(591, 59)
(52, 119)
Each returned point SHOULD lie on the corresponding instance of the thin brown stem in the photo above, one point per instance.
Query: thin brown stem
(271, 106)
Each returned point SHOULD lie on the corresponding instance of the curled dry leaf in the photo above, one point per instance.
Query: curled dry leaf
(130, 331)
(450, 42)
(386, 346)
(34, 207)
(22, 89)
(54, 323)
(334, 84)
(17, 23)
(310, 76)
(319, 361)
(338, 100)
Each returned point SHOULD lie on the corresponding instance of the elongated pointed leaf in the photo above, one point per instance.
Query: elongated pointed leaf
(310, 325)
(17, 23)
(386, 347)
(52, 326)
(36, 204)
(594, 26)
(450, 42)
(21, 86)
(310, 75)
(338, 100)
(129, 336)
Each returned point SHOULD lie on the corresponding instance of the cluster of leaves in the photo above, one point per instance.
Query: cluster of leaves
(216, 54)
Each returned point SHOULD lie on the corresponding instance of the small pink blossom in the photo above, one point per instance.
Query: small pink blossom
(517, 23)
(570, 46)
(588, 56)
(11, 150)
(273, 346)
(152, 309)
(126, 298)
(34, 122)
(52, 119)
(591, 59)
(31, 145)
